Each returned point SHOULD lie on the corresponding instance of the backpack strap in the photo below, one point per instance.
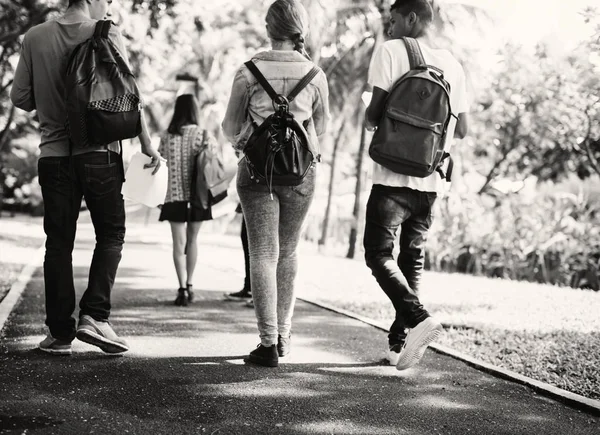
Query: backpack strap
(303, 83)
(261, 79)
(102, 29)
(415, 55)
(269, 89)
(204, 134)
(448, 174)
(106, 28)
(98, 29)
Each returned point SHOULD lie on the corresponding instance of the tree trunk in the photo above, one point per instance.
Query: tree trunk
(357, 193)
(515, 124)
(4, 133)
(336, 146)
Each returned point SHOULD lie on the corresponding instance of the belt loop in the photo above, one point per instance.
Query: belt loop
(108, 152)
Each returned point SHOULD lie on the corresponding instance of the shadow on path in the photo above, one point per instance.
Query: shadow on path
(185, 374)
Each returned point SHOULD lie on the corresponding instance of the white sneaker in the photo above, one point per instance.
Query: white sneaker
(417, 340)
(393, 354)
(100, 334)
(55, 346)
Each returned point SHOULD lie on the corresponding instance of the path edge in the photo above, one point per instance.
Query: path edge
(16, 289)
(574, 400)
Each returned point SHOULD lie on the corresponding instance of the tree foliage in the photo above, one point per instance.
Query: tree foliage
(533, 114)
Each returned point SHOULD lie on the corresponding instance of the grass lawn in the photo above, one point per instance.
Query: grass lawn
(547, 333)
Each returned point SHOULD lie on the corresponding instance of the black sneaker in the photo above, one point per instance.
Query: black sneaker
(283, 345)
(242, 295)
(264, 356)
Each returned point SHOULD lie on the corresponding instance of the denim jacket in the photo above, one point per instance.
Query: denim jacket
(250, 102)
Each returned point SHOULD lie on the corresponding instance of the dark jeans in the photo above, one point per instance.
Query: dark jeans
(388, 209)
(244, 237)
(97, 177)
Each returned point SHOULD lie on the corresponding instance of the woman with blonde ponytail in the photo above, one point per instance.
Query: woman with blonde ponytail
(274, 214)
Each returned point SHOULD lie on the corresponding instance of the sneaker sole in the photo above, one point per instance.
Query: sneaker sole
(410, 359)
(234, 299)
(95, 339)
(261, 362)
(56, 351)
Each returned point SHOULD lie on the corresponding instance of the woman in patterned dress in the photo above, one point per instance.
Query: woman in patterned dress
(179, 145)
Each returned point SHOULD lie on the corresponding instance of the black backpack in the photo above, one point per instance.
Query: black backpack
(102, 97)
(278, 152)
(411, 134)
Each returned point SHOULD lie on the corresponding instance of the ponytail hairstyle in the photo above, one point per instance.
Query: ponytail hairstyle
(287, 20)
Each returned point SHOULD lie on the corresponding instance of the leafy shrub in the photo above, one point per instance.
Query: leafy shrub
(548, 238)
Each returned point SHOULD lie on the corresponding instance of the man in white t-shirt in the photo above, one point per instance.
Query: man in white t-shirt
(402, 201)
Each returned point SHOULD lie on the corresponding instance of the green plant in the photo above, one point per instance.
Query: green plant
(548, 238)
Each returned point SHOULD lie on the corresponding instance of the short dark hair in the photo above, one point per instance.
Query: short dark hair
(72, 2)
(186, 112)
(422, 8)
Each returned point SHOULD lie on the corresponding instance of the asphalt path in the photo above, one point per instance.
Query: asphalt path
(185, 373)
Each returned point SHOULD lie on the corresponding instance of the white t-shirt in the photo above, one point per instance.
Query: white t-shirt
(389, 63)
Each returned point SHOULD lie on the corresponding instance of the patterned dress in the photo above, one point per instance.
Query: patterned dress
(180, 152)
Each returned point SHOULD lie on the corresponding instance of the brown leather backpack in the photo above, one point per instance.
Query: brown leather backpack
(103, 100)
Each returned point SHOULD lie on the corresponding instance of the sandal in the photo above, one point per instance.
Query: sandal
(190, 293)
(181, 300)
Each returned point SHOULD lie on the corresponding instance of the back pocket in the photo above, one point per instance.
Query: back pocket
(101, 179)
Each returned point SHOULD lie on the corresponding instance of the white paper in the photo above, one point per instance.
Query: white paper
(143, 187)
(366, 98)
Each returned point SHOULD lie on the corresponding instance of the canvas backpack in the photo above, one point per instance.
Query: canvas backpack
(278, 151)
(102, 97)
(211, 175)
(412, 131)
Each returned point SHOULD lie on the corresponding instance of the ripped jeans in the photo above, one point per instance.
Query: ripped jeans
(274, 226)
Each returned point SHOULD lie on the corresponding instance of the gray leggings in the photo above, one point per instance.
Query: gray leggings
(273, 234)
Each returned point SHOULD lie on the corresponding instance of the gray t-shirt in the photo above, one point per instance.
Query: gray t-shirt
(39, 78)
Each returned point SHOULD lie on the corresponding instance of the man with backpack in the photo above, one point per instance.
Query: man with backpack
(70, 170)
(418, 105)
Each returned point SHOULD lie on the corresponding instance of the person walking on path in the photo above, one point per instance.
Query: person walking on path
(94, 173)
(402, 201)
(245, 294)
(274, 214)
(180, 145)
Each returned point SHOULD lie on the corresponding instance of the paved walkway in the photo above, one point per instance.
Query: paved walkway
(185, 373)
